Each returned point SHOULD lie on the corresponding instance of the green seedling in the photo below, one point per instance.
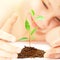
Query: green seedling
(28, 28)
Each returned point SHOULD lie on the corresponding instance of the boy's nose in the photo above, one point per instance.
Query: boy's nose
(43, 24)
(47, 18)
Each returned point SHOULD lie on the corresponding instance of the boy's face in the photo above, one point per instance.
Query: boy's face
(50, 9)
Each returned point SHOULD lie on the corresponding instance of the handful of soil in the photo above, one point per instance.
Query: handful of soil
(30, 52)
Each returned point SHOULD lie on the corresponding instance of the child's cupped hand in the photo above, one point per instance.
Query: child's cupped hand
(53, 38)
(7, 50)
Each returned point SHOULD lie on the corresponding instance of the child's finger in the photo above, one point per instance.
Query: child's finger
(53, 53)
(4, 58)
(8, 47)
(9, 23)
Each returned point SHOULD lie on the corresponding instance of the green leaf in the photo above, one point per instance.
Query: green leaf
(27, 25)
(33, 31)
(32, 12)
(40, 18)
(23, 39)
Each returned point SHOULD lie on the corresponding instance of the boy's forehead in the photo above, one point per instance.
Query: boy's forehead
(55, 3)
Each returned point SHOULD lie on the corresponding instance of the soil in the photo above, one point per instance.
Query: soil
(31, 52)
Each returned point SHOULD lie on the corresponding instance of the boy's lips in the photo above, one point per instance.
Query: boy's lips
(39, 29)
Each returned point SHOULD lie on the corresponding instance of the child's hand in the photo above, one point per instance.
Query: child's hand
(53, 38)
(53, 53)
(7, 50)
(7, 26)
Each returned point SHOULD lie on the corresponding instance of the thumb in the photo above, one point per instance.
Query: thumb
(9, 23)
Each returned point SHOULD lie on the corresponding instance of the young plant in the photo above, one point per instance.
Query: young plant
(28, 28)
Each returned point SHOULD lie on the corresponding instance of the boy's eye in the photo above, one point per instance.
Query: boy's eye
(58, 19)
(45, 5)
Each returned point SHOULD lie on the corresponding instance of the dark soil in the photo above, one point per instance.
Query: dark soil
(30, 52)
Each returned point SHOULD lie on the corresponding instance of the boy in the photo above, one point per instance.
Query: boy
(47, 28)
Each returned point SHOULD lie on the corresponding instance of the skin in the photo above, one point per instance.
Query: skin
(53, 38)
(6, 48)
(46, 28)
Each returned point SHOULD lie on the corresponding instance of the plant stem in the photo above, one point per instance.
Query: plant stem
(29, 39)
